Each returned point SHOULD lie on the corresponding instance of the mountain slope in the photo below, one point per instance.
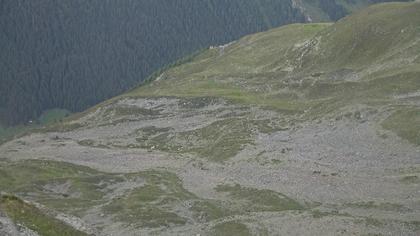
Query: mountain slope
(307, 129)
(75, 54)
(330, 10)
(369, 57)
(72, 55)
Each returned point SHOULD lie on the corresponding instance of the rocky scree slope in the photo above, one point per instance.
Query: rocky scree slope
(308, 129)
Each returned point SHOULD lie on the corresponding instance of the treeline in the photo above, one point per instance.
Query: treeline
(73, 54)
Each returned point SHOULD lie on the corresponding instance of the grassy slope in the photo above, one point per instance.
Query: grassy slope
(28, 215)
(238, 72)
(154, 204)
(302, 68)
(307, 69)
(314, 10)
(375, 35)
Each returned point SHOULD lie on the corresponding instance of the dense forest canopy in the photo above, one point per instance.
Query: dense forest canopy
(73, 54)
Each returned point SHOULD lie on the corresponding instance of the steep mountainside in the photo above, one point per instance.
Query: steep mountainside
(74, 54)
(307, 129)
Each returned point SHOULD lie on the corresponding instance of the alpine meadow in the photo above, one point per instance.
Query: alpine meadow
(236, 118)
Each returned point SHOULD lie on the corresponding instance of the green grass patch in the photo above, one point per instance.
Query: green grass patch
(150, 205)
(369, 36)
(386, 206)
(92, 143)
(197, 102)
(231, 228)
(153, 205)
(235, 75)
(218, 141)
(410, 179)
(153, 201)
(221, 140)
(53, 116)
(370, 221)
(34, 219)
(259, 200)
(134, 111)
(59, 127)
(210, 210)
(317, 214)
(405, 123)
(62, 186)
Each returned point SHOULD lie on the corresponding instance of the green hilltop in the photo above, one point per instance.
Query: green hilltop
(370, 57)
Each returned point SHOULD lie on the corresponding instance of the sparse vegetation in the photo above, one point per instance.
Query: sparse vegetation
(218, 141)
(380, 206)
(260, 200)
(149, 205)
(134, 111)
(59, 185)
(231, 228)
(33, 218)
(210, 210)
(405, 123)
(8, 133)
(52, 116)
(410, 179)
(286, 84)
(285, 126)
